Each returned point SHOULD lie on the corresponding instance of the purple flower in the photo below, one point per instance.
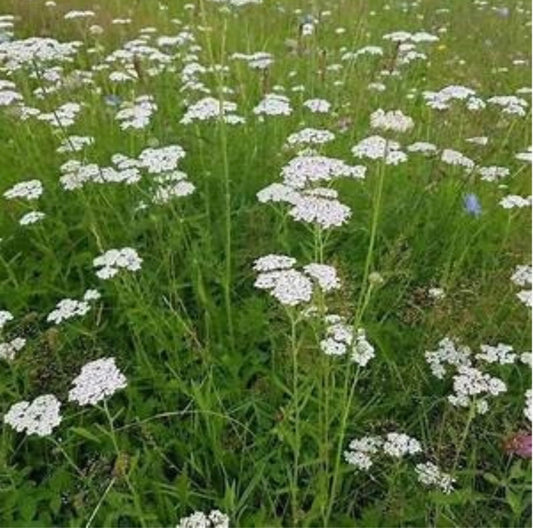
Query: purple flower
(471, 204)
(519, 444)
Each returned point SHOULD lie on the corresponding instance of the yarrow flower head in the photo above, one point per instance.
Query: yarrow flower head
(27, 190)
(310, 136)
(376, 147)
(31, 218)
(362, 451)
(98, 380)
(290, 286)
(38, 417)
(394, 121)
(5, 317)
(67, 309)
(112, 261)
(210, 108)
(163, 159)
(273, 105)
(341, 339)
(317, 106)
(9, 349)
(431, 476)
(215, 519)
(523, 277)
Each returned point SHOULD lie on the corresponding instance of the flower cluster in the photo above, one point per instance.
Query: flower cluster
(393, 121)
(471, 385)
(310, 136)
(523, 277)
(210, 108)
(310, 204)
(431, 476)
(342, 339)
(215, 518)
(136, 115)
(9, 349)
(363, 450)
(378, 148)
(317, 106)
(290, 286)
(273, 105)
(114, 260)
(38, 417)
(27, 190)
(69, 308)
(97, 380)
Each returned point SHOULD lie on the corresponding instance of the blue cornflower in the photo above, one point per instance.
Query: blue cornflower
(472, 205)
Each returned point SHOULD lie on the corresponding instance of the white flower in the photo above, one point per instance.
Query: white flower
(361, 451)
(215, 519)
(522, 275)
(325, 212)
(493, 173)
(303, 170)
(292, 287)
(469, 382)
(39, 417)
(510, 104)
(318, 106)
(273, 105)
(436, 293)
(78, 14)
(66, 309)
(423, 147)
(524, 156)
(478, 140)
(91, 295)
(112, 261)
(172, 185)
(163, 159)
(9, 349)
(430, 475)
(289, 286)
(513, 200)
(75, 144)
(362, 350)
(277, 192)
(331, 347)
(5, 317)
(376, 147)
(28, 190)
(448, 353)
(210, 108)
(31, 218)
(325, 275)
(136, 115)
(98, 380)
(393, 120)
(398, 445)
(502, 354)
(453, 157)
(310, 136)
(274, 262)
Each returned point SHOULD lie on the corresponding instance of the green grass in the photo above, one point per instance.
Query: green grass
(227, 406)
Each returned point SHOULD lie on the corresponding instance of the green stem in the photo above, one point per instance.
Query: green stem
(113, 437)
(296, 442)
